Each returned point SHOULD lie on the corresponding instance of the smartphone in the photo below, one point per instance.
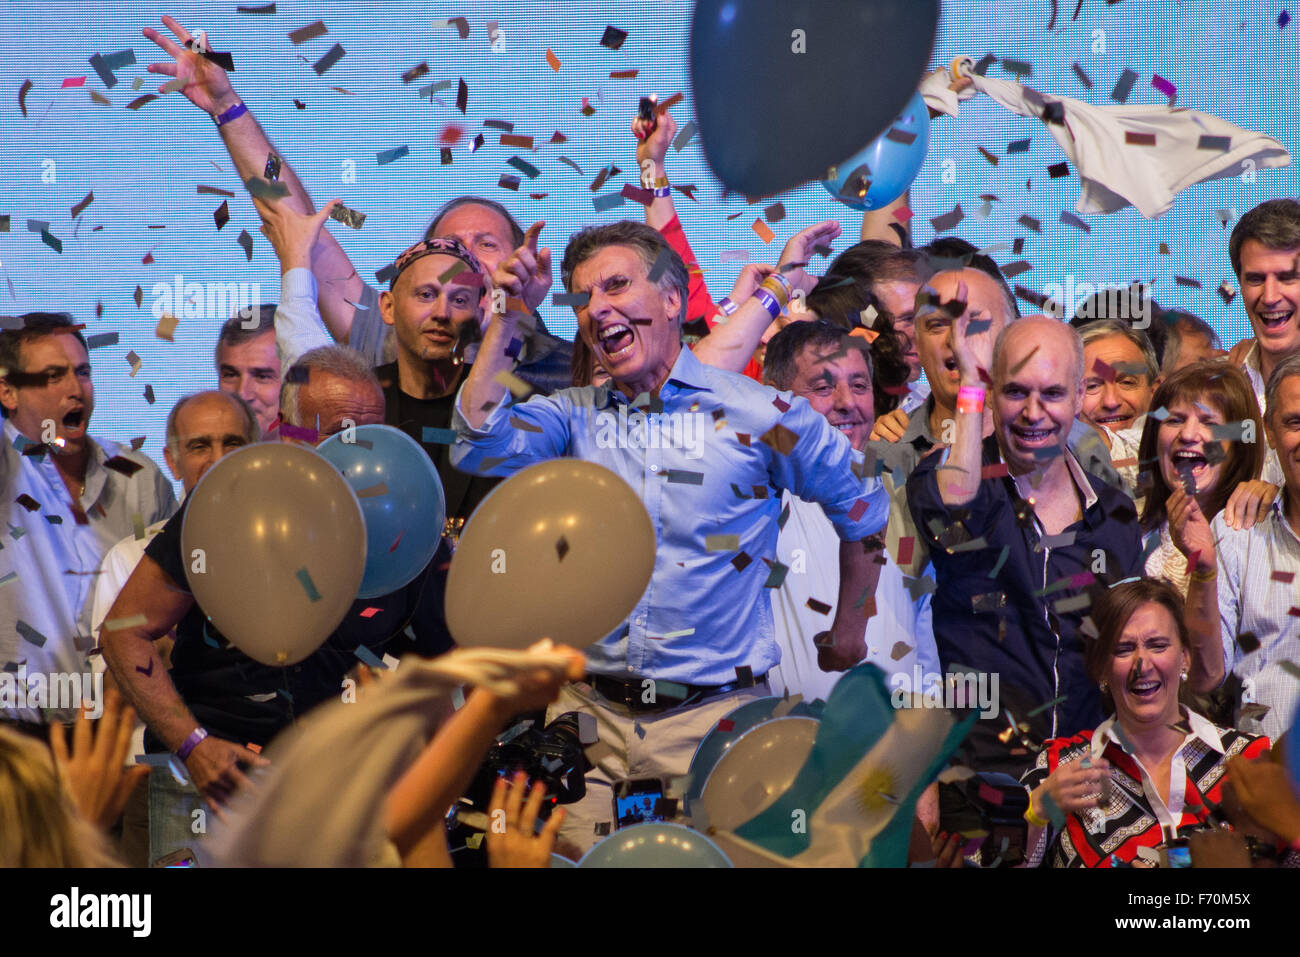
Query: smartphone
(272, 171)
(1176, 853)
(182, 858)
(636, 801)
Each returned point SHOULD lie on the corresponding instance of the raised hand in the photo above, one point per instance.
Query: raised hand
(292, 234)
(748, 280)
(95, 772)
(799, 250)
(1190, 531)
(526, 273)
(890, 426)
(207, 85)
(655, 146)
(512, 837)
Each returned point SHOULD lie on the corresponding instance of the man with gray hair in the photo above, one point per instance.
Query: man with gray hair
(1121, 374)
(214, 700)
(201, 428)
(1189, 339)
(1250, 573)
(1018, 531)
(702, 632)
(248, 364)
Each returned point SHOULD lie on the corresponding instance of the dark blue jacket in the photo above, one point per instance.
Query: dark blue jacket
(1004, 622)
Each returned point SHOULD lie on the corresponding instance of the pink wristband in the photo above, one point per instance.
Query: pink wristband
(970, 398)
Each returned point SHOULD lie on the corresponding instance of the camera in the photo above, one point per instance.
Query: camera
(552, 754)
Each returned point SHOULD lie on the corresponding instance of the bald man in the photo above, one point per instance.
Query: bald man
(1019, 532)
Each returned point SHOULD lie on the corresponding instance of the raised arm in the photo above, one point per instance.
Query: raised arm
(883, 225)
(1192, 536)
(208, 87)
(729, 345)
(959, 477)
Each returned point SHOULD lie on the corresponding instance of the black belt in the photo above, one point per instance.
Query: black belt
(631, 692)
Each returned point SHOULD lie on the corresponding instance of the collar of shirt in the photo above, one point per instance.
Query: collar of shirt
(1169, 814)
(918, 426)
(96, 475)
(1077, 473)
(687, 373)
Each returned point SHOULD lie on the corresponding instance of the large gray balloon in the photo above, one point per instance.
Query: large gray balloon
(772, 117)
(757, 769)
(562, 550)
(274, 547)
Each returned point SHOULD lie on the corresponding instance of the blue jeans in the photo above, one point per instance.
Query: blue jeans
(173, 825)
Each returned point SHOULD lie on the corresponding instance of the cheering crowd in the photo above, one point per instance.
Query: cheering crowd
(1104, 513)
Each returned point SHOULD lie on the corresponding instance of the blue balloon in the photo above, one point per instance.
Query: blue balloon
(1292, 754)
(401, 500)
(655, 845)
(878, 173)
(717, 743)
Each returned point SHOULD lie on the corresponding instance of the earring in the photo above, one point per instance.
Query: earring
(1105, 687)
(1185, 675)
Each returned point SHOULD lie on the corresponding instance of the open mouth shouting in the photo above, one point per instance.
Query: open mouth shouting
(616, 341)
(74, 421)
(1145, 689)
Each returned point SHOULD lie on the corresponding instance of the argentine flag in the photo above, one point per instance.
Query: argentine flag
(853, 801)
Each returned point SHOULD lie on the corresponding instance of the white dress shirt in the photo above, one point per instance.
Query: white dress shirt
(48, 562)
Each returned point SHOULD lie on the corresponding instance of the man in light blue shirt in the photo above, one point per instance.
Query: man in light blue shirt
(709, 457)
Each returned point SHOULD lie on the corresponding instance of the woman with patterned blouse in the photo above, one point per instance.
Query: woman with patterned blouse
(1153, 771)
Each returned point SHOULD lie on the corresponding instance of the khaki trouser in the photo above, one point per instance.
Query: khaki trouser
(645, 745)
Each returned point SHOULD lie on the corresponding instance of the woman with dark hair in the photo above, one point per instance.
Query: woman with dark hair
(1195, 468)
(1151, 772)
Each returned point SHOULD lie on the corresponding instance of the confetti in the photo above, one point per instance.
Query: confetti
(1283, 19)
(1284, 577)
(415, 72)
(266, 8)
(102, 339)
(948, 220)
(613, 38)
(1218, 143)
(1069, 219)
(1083, 77)
(308, 586)
(686, 134)
(1139, 139)
(779, 439)
(123, 465)
(1029, 223)
(29, 633)
(988, 156)
(336, 53)
(1184, 281)
(388, 156)
(668, 104)
(1017, 67)
(603, 204)
(684, 477)
(1123, 86)
(1164, 86)
(562, 547)
(553, 60)
(1018, 146)
(623, 74)
(433, 436)
(818, 606)
(53, 242)
(81, 206)
(528, 169)
(1002, 560)
(722, 543)
(741, 561)
(310, 32)
(246, 243)
(1057, 170)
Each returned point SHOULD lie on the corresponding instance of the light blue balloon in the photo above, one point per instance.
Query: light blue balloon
(655, 845)
(878, 173)
(401, 500)
(560, 861)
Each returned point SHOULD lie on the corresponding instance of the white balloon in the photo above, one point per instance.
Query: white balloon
(757, 769)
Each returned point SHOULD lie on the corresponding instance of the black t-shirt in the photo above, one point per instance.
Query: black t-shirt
(463, 491)
(242, 700)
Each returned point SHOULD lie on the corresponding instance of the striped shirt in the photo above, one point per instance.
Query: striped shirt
(1259, 595)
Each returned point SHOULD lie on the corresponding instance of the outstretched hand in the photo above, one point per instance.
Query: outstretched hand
(800, 248)
(207, 85)
(95, 773)
(292, 234)
(526, 273)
